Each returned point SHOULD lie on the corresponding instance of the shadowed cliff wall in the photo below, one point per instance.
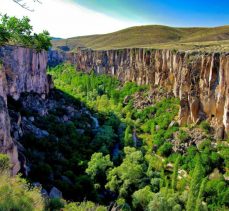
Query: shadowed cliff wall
(21, 70)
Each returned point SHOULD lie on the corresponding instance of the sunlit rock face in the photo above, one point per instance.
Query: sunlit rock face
(200, 80)
(21, 70)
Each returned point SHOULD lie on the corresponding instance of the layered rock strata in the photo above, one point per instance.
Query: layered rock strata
(200, 80)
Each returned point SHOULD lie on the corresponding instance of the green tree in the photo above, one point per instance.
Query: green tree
(98, 166)
(165, 202)
(158, 203)
(104, 139)
(17, 31)
(142, 197)
(197, 177)
(128, 174)
(4, 35)
(175, 173)
(42, 41)
(165, 149)
(200, 194)
(128, 140)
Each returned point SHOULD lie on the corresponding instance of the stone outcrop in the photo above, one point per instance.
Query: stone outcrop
(21, 70)
(25, 70)
(7, 145)
(200, 80)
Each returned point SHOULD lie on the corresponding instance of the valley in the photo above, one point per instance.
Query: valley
(132, 150)
(134, 120)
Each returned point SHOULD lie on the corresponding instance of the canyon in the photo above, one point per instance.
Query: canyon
(199, 79)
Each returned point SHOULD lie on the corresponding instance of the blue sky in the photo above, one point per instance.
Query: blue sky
(70, 18)
(169, 12)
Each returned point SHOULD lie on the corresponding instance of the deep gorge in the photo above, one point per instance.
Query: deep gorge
(57, 128)
(199, 79)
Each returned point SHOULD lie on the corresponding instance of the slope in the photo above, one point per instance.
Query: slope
(152, 36)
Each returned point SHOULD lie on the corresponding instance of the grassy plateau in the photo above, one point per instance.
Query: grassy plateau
(154, 36)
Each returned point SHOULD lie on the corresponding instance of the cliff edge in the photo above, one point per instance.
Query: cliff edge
(200, 80)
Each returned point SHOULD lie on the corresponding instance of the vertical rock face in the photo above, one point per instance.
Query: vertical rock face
(25, 70)
(200, 80)
(21, 70)
(7, 145)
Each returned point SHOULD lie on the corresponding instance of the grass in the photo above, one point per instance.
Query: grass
(154, 36)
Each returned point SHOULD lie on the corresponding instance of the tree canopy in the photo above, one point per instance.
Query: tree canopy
(15, 31)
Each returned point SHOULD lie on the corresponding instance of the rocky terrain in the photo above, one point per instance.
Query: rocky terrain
(51, 133)
(200, 80)
(27, 99)
(22, 70)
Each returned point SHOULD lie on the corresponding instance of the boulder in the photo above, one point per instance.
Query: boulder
(55, 193)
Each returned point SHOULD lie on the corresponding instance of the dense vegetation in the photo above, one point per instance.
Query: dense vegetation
(154, 36)
(133, 161)
(15, 193)
(15, 31)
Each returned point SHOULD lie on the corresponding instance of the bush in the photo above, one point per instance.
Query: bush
(216, 193)
(205, 145)
(165, 149)
(205, 126)
(4, 163)
(84, 206)
(183, 135)
(155, 183)
(54, 204)
(15, 194)
(141, 198)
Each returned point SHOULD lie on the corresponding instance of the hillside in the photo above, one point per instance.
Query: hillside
(154, 36)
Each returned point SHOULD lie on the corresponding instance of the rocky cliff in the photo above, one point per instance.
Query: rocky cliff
(200, 80)
(22, 70)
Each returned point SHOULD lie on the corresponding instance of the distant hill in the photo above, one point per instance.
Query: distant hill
(56, 38)
(153, 36)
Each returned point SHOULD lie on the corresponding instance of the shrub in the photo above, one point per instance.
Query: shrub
(183, 135)
(155, 184)
(15, 194)
(205, 145)
(54, 204)
(4, 163)
(205, 126)
(165, 149)
(141, 198)
(84, 206)
(216, 193)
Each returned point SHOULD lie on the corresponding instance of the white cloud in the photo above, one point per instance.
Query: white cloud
(63, 18)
